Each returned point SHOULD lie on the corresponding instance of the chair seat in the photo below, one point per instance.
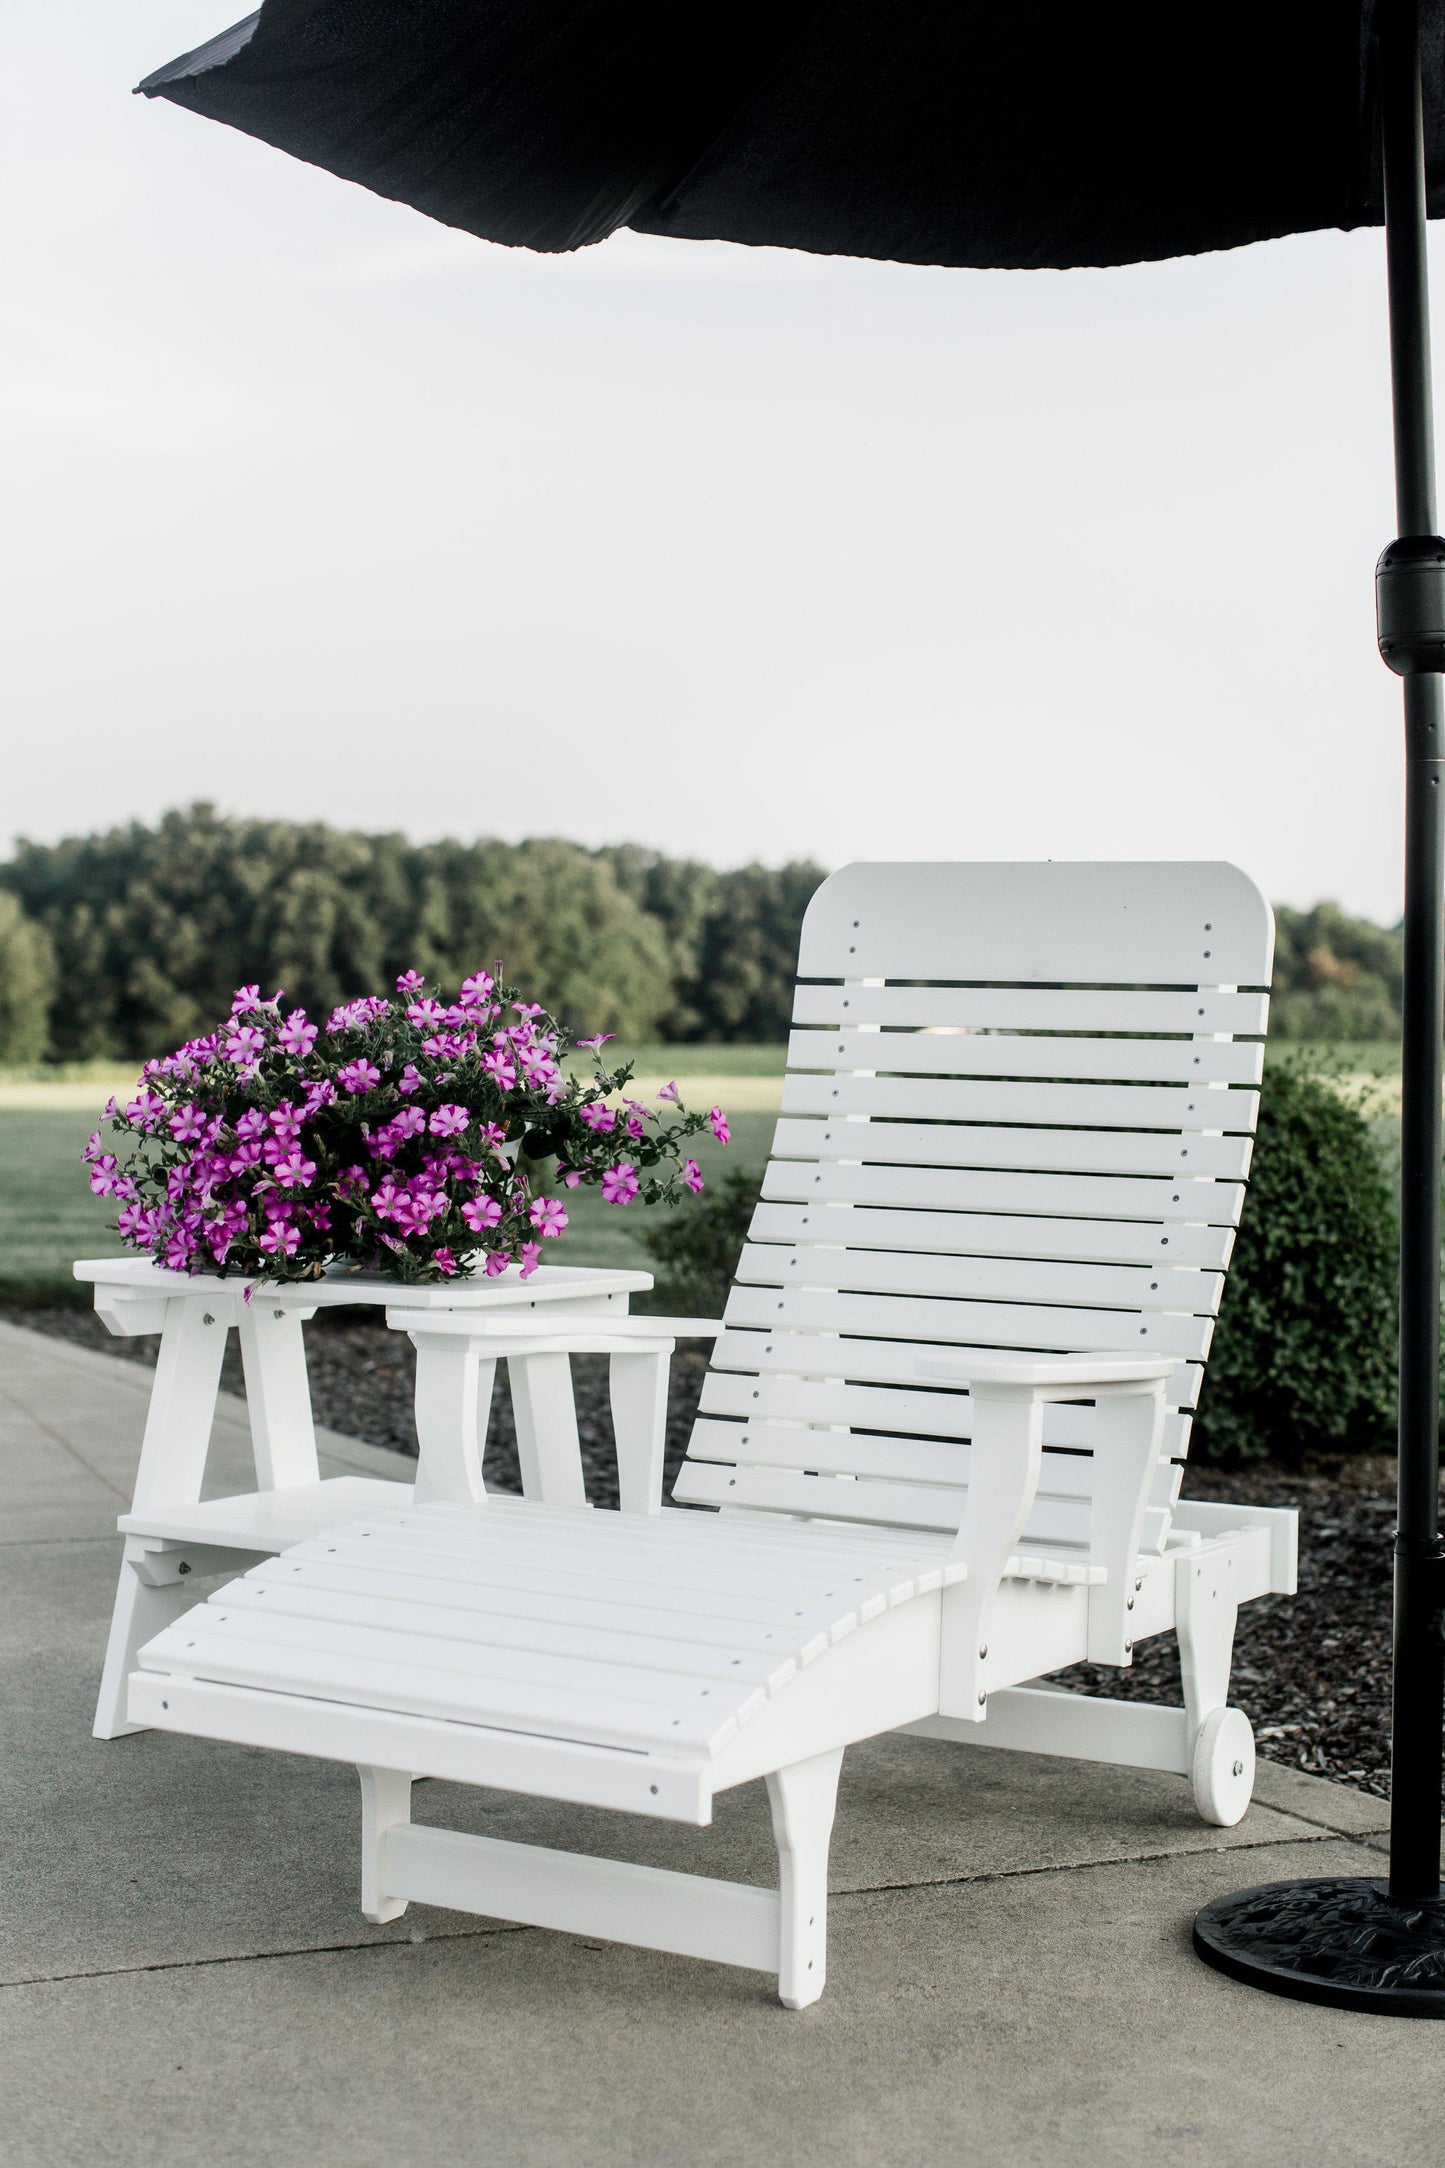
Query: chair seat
(645, 1633)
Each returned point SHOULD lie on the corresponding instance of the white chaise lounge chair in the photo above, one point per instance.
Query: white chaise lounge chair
(945, 1421)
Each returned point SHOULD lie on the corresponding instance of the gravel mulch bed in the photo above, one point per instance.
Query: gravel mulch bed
(1313, 1671)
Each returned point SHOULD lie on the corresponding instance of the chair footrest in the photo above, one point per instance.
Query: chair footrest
(650, 1907)
(270, 1520)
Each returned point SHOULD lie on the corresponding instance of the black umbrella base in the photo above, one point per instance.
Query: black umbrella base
(1339, 1941)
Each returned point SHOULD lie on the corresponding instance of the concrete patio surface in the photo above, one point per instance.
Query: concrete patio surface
(185, 1974)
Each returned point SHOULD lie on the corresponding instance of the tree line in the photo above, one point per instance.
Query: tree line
(120, 945)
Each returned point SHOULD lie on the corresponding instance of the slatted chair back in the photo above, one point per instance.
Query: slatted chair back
(1018, 1115)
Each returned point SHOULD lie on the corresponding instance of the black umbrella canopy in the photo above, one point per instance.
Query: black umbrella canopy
(1040, 134)
(1027, 134)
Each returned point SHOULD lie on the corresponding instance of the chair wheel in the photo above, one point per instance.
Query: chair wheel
(1222, 1770)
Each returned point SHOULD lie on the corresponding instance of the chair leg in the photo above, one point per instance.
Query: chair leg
(385, 1804)
(1221, 1739)
(141, 1612)
(802, 1799)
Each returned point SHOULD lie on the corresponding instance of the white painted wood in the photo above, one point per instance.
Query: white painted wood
(278, 1393)
(1022, 1325)
(1167, 1107)
(613, 1900)
(1080, 1727)
(947, 1408)
(1008, 1054)
(845, 1262)
(269, 1521)
(562, 1326)
(675, 1787)
(1009, 1010)
(996, 1235)
(385, 1806)
(193, 1313)
(453, 1389)
(1222, 1766)
(1052, 923)
(803, 1798)
(182, 1403)
(1135, 1202)
(585, 1286)
(142, 1609)
(638, 1388)
(1029, 1150)
(1279, 1527)
(1007, 1459)
(545, 1417)
(1123, 1466)
(894, 1414)
(842, 1356)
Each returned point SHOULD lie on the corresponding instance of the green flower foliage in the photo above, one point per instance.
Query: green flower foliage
(1304, 1355)
(696, 1251)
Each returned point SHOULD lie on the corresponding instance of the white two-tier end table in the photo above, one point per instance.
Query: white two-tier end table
(172, 1535)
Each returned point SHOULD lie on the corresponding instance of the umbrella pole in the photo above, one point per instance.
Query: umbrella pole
(1352, 1940)
(1419, 1671)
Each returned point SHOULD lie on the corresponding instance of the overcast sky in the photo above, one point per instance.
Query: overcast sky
(315, 508)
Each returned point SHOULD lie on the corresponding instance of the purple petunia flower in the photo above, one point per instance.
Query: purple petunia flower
(500, 1069)
(718, 1123)
(296, 1036)
(295, 1170)
(245, 1045)
(358, 1076)
(619, 1184)
(548, 1216)
(692, 1175)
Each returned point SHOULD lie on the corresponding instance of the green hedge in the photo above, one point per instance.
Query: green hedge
(1304, 1355)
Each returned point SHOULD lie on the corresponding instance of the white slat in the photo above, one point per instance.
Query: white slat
(1003, 1324)
(499, 1628)
(1202, 1010)
(878, 1362)
(512, 1551)
(984, 1234)
(1168, 1107)
(1165, 1203)
(1081, 1151)
(893, 1410)
(500, 1664)
(1066, 1477)
(990, 1279)
(1046, 924)
(1010, 1054)
(548, 1607)
(306, 1663)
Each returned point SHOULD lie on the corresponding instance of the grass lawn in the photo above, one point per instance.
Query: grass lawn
(48, 1216)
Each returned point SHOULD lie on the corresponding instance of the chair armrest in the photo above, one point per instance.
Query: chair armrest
(560, 1334)
(1124, 1458)
(1051, 1377)
(452, 1347)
